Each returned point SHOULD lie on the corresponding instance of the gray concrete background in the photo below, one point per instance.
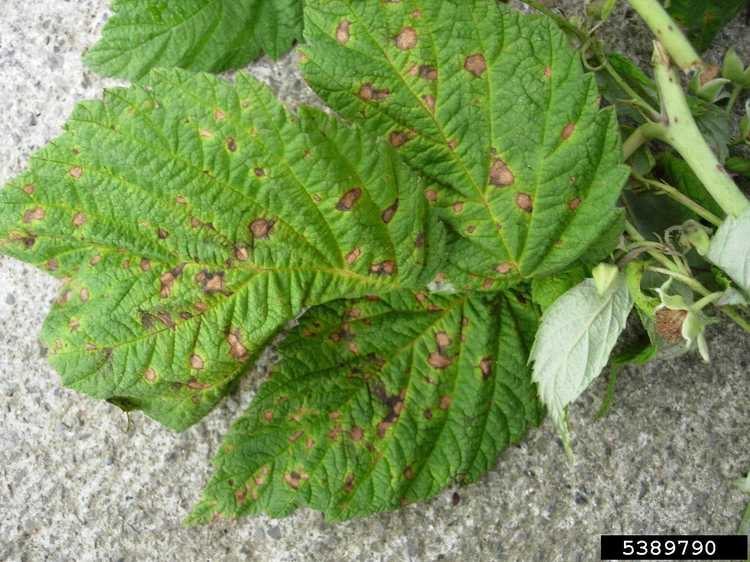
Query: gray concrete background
(78, 482)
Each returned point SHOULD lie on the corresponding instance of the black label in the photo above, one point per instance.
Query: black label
(674, 547)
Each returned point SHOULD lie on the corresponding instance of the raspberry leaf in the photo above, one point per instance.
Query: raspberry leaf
(379, 403)
(730, 249)
(576, 336)
(491, 104)
(191, 219)
(703, 19)
(210, 35)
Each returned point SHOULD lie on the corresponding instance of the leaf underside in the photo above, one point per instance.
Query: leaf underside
(378, 403)
(191, 219)
(575, 338)
(495, 108)
(207, 35)
(730, 249)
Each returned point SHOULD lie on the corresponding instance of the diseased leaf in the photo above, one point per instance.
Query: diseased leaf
(191, 219)
(211, 35)
(572, 346)
(730, 249)
(491, 104)
(380, 403)
(703, 19)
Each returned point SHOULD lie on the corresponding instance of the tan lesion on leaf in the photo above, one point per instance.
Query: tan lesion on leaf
(574, 203)
(295, 478)
(32, 215)
(406, 39)
(524, 202)
(29, 189)
(485, 366)
(505, 267)
(261, 228)
(388, 213)
(353, 255)
(349, 199)
(84, 294)
(475, 64)
(79, 219)
(342, 32)
(367, 92)
(196, 362)
(219, 114)
(400, 138)
(387, 267)
(151, 376)
(568, 131)
(210, 282)
(500, 174)
(75, 172)
(236, 347)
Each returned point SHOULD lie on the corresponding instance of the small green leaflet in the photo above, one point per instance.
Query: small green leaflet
(730, 249)
(211, 35)
(379, 403)
(703, 19)
(491, 104)
(572, 346)
(191, 219)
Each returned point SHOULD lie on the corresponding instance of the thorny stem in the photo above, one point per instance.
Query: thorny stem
(668, 32)
(681, 198)
(678, 129)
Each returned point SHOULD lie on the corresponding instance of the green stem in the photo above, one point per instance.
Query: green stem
(736, 91)
(678, 129)
(684, 279)
(668, 32)
(681, 198)
(658, 256)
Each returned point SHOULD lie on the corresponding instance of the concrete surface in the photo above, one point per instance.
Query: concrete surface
(78, 482)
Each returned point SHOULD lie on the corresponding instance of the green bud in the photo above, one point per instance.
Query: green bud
(733, 68)
(710, 91)
(604, 276)
(696, 236)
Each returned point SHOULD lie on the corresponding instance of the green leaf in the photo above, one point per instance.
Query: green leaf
(574, 341)
(703, 19)
(739, 165)
(730, 249)
(193, 218)
(380, 403)
(546, 290)
(210, 35)
(495, 107)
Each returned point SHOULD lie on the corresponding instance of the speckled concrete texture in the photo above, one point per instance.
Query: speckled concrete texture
(81, 482)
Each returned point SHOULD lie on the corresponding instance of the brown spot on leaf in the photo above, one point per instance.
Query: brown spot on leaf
(524, 202)
(427, 72)
(236, 349)
(195, 384)
(73, 324)
(439, 361)
(419, 240)
(162, 234)
(386, 267)
(76, 172)
(369, 93)
(205, 134)
(211, 282)
(261, 228)
(452, 144)
(259, 172)
(427, 414)
(310, 443)
(268, 415)
(342, 32)
(231, 144)
(445, 402)
(295, 436)
(52, 265)
(431, 195)
(408, 473)
(219, 115)
(398, 138)
(567, 131)
(485, 365)
(500, 174)
(505, 267)
(357, 433)
(33, 215)
(458, 207)
(353, 347)
(548, 71)
(241, 253)
(349, 199)
(488, 283)
(294, 479)
(406, 39)
(349, 483)
(383, 428)
(429, 101)
(28, 189)
(196, 362)
(180, 200)
(389, 212)
(150, 376)
(475, 64)
(145, 264)
(442, 340)
(573, 204)
(353, 256)
(95, 260)
(85, 295)
(79, 220)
